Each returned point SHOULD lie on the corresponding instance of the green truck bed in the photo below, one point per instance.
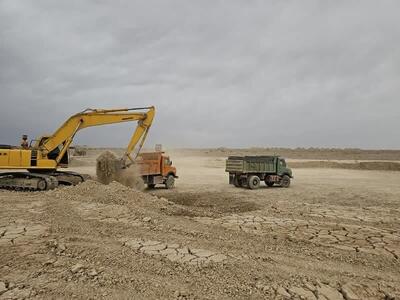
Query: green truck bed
(252, 164)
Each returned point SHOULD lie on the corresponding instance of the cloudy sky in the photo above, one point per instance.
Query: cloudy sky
(232, 73)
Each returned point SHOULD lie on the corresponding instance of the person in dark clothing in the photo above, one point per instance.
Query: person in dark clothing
(24, 142)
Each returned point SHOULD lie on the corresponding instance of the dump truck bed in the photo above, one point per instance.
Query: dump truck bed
(251, 164)
(149, 163)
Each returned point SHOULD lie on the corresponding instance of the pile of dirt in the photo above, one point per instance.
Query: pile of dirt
(371, 165)
(380, 165)
(109, 168)
(113, 193)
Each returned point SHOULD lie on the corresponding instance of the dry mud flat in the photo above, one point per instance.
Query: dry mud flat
(333, 235)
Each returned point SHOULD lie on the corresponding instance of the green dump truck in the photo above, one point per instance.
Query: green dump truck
(249, 171)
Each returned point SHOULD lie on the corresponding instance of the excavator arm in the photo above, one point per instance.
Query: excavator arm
(59, 142)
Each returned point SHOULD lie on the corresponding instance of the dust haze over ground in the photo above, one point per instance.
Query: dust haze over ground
(334, 234)
(109, 168)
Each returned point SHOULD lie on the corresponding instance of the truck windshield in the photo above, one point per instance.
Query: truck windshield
(282, 162)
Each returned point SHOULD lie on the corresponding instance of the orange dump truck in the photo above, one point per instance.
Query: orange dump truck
(156, 168)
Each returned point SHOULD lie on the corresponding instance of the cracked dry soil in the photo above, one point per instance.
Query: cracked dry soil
(333, 235)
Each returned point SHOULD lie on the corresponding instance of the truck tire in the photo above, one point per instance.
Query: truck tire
(151, 186)
(236, 181)
(253, 182)
(268, 182)
(170, 182)
(285, 181)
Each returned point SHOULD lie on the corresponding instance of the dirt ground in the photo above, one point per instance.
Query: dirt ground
(334, 234)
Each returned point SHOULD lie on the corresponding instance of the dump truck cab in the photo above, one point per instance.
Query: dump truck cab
(282, 168)
(249, 171)
(166, 166)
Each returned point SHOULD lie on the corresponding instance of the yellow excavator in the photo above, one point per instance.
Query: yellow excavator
(42, 160)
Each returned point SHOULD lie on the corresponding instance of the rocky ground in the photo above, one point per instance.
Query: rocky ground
(334, 234)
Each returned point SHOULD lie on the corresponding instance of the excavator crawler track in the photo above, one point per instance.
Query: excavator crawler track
(26, 181)
(30, 181)
(68, 178)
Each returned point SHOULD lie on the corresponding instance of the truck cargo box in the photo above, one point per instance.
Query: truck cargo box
(251, 164)
(149, 163)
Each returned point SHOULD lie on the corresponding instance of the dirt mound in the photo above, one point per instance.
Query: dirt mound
(380, 165)
(113, 193)
(109, 169)
(372, 165)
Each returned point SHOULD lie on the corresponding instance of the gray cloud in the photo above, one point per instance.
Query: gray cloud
(221, 73)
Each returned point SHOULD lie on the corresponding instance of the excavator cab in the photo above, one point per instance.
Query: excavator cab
(37, 144)
(64, 159)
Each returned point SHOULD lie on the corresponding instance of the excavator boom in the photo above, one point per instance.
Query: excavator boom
(64, 136)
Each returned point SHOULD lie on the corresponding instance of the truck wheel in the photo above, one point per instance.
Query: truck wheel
(285, 181)
(151, 186)
(253, 182)
(170, 182)
(236, 181)
(268, 182)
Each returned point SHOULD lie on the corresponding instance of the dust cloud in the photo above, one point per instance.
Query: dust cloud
(109, 168)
